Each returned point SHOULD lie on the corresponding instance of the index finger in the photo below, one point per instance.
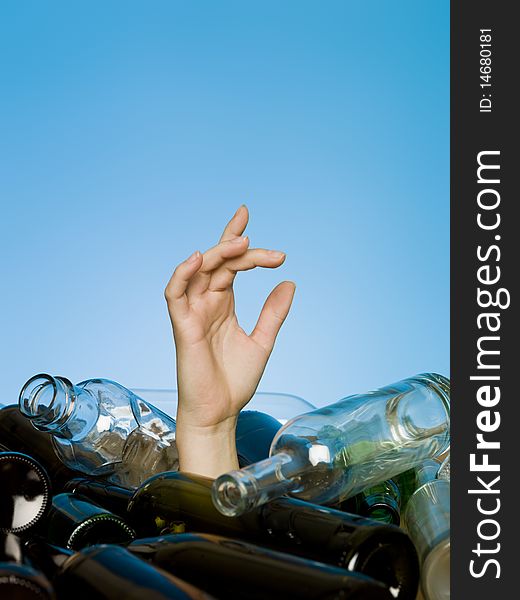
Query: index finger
(236, 225)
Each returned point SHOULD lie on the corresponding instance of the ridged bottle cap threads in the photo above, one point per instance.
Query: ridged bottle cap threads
(23, 583)
(75, 523)
(25, 492)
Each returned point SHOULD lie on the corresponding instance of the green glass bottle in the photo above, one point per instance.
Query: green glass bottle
(380, 551)
(234, 569)
(107, 495)
(107, 573)
(380, 502)
(407, 484)
(20, 582)
(25, 492)
(18, 434)
(75, 523)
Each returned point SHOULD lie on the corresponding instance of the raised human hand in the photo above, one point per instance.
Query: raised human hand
(219, 365)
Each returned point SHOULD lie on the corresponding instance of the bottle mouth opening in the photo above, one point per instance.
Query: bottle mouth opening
(45, 400)
(230, 496)
(38, 396)
(26, 492)
(100, 529)
(384, 513)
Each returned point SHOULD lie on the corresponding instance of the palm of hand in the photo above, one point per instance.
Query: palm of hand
(219, 365)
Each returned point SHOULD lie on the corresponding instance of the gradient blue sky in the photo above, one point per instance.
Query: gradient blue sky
(131, 131)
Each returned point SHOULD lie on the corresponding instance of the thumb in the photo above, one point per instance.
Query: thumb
(273, 314)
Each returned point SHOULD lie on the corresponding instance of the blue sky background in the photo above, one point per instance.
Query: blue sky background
(131, 131)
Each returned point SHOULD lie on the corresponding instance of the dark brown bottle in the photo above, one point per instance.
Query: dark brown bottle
(383, 552)
(107, 573)
(18, 434)
(231, 568)
(75, 523)
(25, 492)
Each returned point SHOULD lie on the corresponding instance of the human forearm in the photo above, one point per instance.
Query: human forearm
(208, 451)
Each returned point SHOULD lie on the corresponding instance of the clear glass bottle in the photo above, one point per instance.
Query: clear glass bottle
(280, 406)
(335, 452)
(101, 428)
(427, 520)
(445, 469)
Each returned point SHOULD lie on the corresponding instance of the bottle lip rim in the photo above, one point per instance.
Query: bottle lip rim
(45, 480)
(15, 579)
(23, 402)
(91, 522)
(27, 406)
(391, 508)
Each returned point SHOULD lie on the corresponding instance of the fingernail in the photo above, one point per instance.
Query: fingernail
(276, 253)
(238, 240)
(193, 257)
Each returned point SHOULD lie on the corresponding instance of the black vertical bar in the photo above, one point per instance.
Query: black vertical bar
(484, 119)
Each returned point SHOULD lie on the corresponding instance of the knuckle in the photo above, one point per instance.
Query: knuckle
(168, 294)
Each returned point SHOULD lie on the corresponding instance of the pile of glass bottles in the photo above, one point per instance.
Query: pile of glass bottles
(348, 501)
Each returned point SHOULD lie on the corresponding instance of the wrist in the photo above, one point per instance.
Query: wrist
(192, 425)
(208, 450)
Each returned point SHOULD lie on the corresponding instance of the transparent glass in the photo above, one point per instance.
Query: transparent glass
(335, 452)
(445, 469)
(427, 520)
(280, 406)
(101, 428)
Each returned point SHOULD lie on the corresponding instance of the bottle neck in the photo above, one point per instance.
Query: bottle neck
(74, 523)
(112, 497)
(45, 556)
(238, 492)
(54, 405)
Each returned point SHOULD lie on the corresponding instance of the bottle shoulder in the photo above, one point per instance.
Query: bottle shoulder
(124, 405)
